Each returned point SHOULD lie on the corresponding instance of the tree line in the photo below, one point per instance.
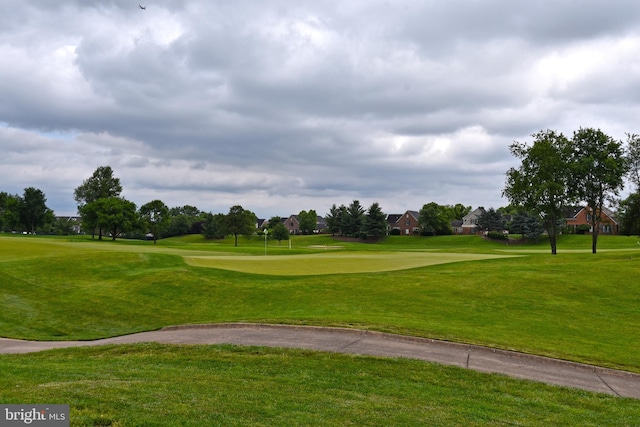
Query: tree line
(555, 172)
(104, 212)
(28, 212)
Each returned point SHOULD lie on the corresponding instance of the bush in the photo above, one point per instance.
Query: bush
(497, 235)
(583, 229)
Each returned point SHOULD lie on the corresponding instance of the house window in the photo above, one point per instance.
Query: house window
(407, 222)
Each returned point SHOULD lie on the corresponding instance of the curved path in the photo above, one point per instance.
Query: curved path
(483, 359)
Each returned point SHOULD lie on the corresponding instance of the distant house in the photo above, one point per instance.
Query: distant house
(578, 221)
(321, 225)
(392, 224)
(292, 224)
(470, 221)
(405, 224)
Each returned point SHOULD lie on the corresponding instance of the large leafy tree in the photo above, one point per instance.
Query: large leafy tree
(215, 226)
(629, 209)
(633, 158)
(598, 169)
(63, 226)
(155, 216)
(113, 214)
(101, 185)
(375, 222)
(458, 211)
(279, 232)
(9, 211)
(240, 222)
(308, 221)
(184, 220)
(540, 185)
(273, 221)
(33, 209)
(435, 219)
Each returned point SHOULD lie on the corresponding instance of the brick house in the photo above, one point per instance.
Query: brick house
(292, 224)
(405, 224)
(578, 221)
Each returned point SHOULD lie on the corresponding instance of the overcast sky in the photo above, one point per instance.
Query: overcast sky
(281, 106)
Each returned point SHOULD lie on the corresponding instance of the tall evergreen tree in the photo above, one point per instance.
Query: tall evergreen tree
(490, 220)
(333, 220)
(354, 219)
(528, 225)
(375, 222)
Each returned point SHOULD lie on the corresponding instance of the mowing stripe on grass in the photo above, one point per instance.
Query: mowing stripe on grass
(332, 263)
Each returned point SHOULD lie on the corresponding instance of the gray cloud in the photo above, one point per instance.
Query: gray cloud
(283, 106)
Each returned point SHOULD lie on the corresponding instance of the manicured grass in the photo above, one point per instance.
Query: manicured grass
(161, 385)
(332, 262)
(576, 306)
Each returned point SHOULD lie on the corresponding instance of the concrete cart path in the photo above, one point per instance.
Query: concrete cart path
(340, 340)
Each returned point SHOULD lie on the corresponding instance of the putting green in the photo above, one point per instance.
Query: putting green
(332, 263)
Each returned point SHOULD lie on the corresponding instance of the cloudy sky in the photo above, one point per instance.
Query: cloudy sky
(282, 105)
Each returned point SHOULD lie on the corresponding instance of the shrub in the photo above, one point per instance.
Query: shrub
(497, 235)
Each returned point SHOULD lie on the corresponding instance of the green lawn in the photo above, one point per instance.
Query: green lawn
(576, 305)
(161, 385)
(331, 262)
